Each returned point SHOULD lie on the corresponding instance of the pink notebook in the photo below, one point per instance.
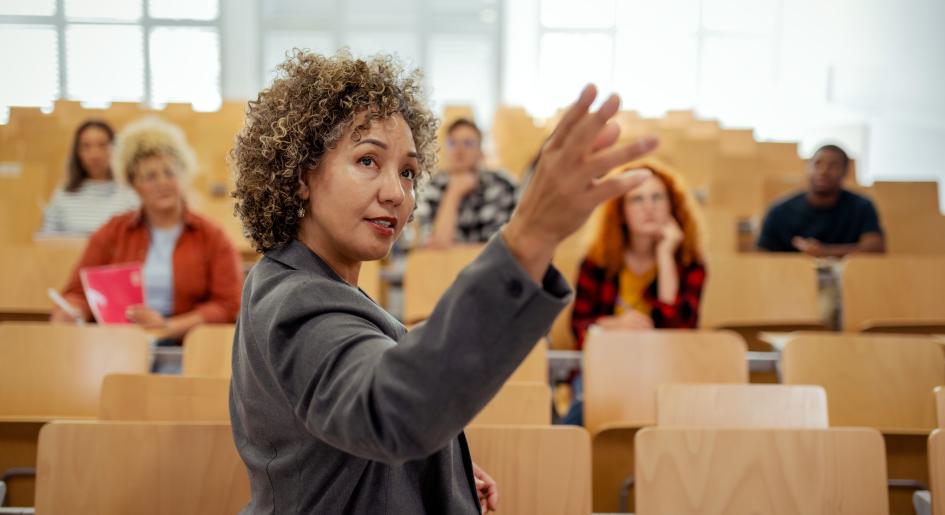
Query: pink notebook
(111, 289)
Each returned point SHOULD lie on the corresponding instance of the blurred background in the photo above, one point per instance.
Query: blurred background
(867, 74)
(741, 93)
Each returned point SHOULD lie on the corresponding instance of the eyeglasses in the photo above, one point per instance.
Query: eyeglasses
(152, 176)
(469, 144)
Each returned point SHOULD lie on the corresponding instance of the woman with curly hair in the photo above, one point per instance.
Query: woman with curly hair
(644, 268)
(335, 407)
(191, 270)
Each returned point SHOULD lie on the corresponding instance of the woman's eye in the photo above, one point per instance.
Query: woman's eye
(408, 173)
(366, 161)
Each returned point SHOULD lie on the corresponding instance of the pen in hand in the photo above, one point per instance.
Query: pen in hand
(65, 306)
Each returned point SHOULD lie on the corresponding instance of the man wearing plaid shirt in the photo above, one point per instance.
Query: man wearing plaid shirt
(464, 204)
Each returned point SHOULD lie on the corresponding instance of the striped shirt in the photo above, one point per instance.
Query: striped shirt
(84, 211)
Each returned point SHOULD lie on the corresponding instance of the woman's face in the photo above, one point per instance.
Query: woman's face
(362, 193)
(157, 180)
(95, 151)
(646, 208)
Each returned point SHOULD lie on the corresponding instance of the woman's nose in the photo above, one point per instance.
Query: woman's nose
(391, 189)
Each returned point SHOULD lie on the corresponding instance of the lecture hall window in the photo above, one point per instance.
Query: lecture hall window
(103, 51)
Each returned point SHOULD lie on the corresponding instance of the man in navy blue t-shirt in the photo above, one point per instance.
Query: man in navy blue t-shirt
(826, 220)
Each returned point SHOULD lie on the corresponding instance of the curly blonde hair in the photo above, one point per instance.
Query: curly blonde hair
(291, 125)
(147, 137)
(610, 237)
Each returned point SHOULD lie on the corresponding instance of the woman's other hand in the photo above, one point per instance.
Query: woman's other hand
(488, 492)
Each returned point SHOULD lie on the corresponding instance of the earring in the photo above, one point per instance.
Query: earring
(301, 211)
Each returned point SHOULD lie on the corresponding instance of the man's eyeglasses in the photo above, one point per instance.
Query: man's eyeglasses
(469, 144)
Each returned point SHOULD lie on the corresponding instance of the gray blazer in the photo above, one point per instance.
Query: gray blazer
(337, 409)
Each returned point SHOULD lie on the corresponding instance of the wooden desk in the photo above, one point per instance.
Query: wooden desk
(50, 372)
(154, 468)
(428, 274)
(689, 471)
(539, 470)
(27, 271)
(879, 381)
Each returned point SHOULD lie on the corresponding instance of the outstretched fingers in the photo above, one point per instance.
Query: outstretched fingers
(582, 136)
(606, 189)
(606, 137)
(608, 158)
(572, 116)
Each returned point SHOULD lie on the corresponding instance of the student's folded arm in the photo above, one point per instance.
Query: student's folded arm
(871, 233)
(393, 401)
(683, 312)
(872, 242)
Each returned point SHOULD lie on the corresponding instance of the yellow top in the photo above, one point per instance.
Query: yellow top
(632, 288)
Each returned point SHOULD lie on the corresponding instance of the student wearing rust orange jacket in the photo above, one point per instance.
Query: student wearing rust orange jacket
(191, 271)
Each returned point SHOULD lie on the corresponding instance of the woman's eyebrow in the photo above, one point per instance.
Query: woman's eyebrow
(381, 144)
(371, 141)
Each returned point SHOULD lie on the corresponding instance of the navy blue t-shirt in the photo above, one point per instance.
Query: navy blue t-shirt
(844, 223)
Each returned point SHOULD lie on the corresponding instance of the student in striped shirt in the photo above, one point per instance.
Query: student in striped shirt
(90, 196)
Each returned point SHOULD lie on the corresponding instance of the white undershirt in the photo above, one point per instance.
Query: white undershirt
(85, 210)
(158, 270)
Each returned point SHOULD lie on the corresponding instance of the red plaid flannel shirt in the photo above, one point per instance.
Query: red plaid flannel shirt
(597, 297)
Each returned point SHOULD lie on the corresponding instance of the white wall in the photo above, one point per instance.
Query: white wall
(869, 74)
(240, 35)
(879, 64)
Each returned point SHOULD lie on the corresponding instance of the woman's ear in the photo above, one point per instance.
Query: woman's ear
(304, 192)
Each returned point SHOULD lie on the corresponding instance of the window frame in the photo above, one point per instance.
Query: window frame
(432, 19)
(702, 35)
(60, 22)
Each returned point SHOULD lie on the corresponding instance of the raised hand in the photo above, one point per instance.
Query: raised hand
(568, 182)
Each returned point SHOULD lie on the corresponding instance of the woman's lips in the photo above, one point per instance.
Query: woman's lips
(383, 226)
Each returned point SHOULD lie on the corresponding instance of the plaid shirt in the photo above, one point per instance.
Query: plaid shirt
(481, 214)
(597, 297)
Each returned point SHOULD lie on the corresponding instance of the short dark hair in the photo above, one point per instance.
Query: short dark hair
(464, 122)
(838, 150)
(76, 173)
